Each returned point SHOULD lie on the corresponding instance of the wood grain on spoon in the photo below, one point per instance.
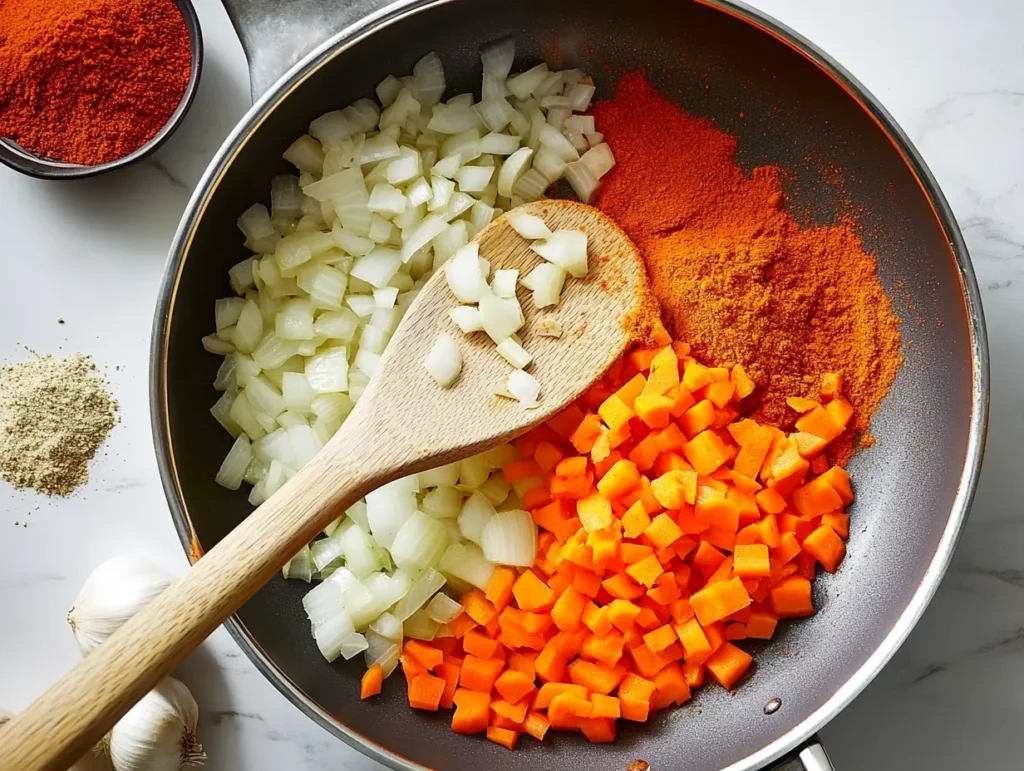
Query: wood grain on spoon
(403, 423)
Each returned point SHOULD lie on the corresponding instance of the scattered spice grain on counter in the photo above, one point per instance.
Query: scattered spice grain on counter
(90, 81)
(54, 415)
(734, 272)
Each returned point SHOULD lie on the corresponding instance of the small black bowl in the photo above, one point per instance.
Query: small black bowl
(18, 158)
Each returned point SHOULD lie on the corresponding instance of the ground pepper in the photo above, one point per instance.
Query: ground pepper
(734, 272)
(90, 81)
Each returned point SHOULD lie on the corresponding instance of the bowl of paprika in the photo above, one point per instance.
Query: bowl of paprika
(89, 86)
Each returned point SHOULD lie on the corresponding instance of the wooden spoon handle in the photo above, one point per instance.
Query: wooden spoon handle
(74, 713)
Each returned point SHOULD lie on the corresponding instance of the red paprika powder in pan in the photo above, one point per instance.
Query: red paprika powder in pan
(90, 81)
(733, 271)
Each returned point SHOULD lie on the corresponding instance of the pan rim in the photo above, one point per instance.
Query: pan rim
(968, 479)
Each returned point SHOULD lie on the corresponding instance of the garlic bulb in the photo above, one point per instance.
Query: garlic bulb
(158, 733)
(112, 594)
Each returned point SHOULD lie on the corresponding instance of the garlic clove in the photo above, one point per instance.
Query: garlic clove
(159, 732)
(112, 594)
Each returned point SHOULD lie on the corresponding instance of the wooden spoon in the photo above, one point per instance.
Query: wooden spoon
(404, 423)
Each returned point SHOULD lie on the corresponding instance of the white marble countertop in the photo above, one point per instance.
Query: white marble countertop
(952, 74)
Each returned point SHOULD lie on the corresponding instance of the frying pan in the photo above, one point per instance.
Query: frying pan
(790, 105)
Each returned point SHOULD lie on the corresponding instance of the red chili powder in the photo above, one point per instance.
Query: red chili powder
(90, 81)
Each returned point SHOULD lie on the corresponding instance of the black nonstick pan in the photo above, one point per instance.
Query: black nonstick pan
(800, 111)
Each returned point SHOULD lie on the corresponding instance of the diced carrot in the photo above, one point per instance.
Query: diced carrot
(696, 647)
(596, 619)
(645, 453)
(425, 692)
(801, 405)
(472, 711)
(770, 501)
(502, 736)
(550, 664)
(792, 597)
(615, 413)
(641, 358)
(411, 667)
(693, 674)
(696, 375)
(547, 455)
(604, 705)
(477, 643)
(789, 463)
(598, 730)
(513, 712)
(518, 470)
(720, 393)
(728, 664)
(621, 586)
(661, 638)
(670, 687)
(716, 601)
(698, 417)
(622, 613)
(478, 607)
(664, 372)
(655, 410)
(586, 434)
(371, 682)
(567, 612)
(841, 411)
(574, 466)
(566, 422)
(707, 559)
(531, 593)
(479, 674)
(620, 479)
(831, 385)
(819, 422)
(566, 709)
(761, 625)
(838, 522)
(499, 588)
(663, 531)
(537, 725)
(461, 625)
(674, 488)
(537, 496)
(840, 481)
(425, 653)
(744, 385)
(595, 676)
(706, 452)
(548, 691)
(607, 649)
(669, 439)
(751, 561)
(632, 389)
(594, 511)
(646, 571)
(635, 694)
(826, 547)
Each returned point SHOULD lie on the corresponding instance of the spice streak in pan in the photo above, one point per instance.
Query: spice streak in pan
(734, 272)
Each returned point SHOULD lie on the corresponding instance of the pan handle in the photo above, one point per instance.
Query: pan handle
(809, 757)
(276, 34)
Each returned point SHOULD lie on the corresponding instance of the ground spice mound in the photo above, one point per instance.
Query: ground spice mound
(90, 81)
(733, 271)
(54, 415)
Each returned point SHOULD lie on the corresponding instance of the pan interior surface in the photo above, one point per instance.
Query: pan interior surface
(785, 111)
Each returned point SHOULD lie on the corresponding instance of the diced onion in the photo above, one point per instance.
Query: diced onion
(467, 318)
(422, 589)
(466, 562)
(444, 360)
(514, 167)
(567, 249)
(545, 281)
(524, 387)
(514, 353)
(443, 608)
(235, 463)
(498, 56)
(528, 225)
(510, 538)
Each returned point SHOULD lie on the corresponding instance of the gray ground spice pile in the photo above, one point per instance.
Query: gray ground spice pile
(54, 415)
